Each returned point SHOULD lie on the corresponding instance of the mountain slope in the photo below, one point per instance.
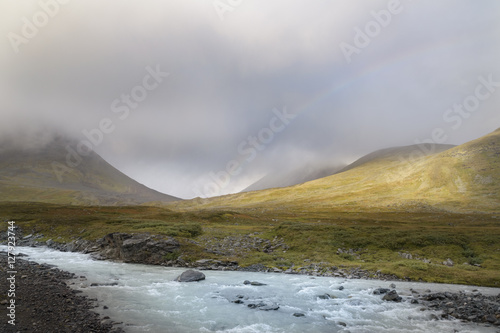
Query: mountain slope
(398, 153)
(463, 178)
(43, 174)
(293, 177)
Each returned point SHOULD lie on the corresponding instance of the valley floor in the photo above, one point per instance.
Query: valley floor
(442, 247)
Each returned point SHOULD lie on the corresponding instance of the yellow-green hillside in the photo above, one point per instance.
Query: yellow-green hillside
(459, 179)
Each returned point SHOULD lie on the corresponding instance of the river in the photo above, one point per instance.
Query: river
(146, 299)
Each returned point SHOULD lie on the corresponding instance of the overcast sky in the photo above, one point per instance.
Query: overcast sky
(252, 86)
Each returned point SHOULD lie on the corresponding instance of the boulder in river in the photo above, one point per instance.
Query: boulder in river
(264, 306)
(254, 283)
(381, 291)
(190, 276)
(392, 296)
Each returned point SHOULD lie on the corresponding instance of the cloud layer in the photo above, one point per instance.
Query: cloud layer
(409, 63)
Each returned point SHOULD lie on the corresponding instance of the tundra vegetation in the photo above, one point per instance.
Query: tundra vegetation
(379, 241)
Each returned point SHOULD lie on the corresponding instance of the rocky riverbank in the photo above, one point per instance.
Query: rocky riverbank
(468, 307)
(473, 307)
(44, 303)
(166, 251)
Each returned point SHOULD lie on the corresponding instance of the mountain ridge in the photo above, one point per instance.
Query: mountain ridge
(457, 179)
(44, 173)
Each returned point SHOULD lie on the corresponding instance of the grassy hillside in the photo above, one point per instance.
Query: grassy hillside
(465, 178)
(43, 175)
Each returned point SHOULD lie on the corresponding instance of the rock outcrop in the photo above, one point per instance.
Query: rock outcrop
(136, 248)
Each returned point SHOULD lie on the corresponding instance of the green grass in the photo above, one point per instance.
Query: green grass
(376, 237)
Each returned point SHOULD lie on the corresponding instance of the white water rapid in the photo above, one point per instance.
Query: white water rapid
(146, 299)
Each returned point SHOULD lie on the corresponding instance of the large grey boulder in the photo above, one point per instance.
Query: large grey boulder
(190, 276)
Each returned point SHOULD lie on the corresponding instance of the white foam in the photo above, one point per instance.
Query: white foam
(149, 299)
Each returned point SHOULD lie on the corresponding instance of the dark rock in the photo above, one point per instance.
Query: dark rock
(103, 284)
(190, 276)
(380, 291)
(135, 248)
(269, 307)
(490, 319)
(392, 296)
(469, 307)
(254, 283)
(264, 306)
(253, 306)
(341, 288)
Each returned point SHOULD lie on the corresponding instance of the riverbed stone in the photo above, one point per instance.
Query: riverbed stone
(190, 276)
(473, 307)
(254, 283)
(264, 306)
(48, 303)
(381, 291)
(392, 296)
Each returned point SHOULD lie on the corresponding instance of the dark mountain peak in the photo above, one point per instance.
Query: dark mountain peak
(53, 167)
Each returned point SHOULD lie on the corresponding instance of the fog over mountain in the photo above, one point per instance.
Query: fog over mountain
(203, 98)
